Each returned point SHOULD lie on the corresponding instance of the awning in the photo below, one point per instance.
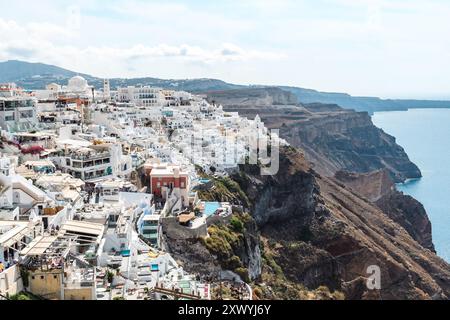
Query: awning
(83, 228)
(185, 218)
(38, 246)
(15, 235)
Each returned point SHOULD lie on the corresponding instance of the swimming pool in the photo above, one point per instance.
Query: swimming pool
(154, 267)
(211, 208)
(125, 253)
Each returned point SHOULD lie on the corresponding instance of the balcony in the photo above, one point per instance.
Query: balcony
(90, 156)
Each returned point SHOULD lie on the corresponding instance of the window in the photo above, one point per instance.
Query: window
(182, 185)
(88, 164)
(26, 114)
(76, 164)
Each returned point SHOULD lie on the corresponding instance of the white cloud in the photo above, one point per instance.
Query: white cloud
(364, 47)
(52, 44)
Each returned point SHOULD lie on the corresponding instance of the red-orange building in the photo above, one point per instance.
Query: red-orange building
(165, 179)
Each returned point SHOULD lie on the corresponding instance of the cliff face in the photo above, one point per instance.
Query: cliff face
(320, 233)
(378, 188)
(231, 245)
(410, 214)
(373, 185)
(252, 97)
(347, 140)
(312, 237)
(332, 138)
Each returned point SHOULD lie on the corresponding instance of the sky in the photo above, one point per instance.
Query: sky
(385, 48)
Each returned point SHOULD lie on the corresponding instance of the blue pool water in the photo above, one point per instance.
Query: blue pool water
(125, 253)
(425, 135)
(211, 208)
(155, 267)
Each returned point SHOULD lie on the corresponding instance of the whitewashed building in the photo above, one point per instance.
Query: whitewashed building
(141, 96)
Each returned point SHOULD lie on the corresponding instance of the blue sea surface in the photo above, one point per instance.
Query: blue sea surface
(425, 136)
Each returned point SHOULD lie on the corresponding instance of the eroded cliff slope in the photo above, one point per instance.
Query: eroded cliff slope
(312, 237)
(321, 233)
(378, 188)
(332, 138)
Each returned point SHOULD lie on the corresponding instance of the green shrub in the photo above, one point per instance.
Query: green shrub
(234, 262)
(243, 273)
(24, 274)
(236, 224)
(109, 276)
(273, 265)
(20, 296)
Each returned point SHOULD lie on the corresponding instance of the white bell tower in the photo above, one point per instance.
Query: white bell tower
(106, 90)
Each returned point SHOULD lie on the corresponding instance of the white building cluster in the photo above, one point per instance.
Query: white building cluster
(87, 178)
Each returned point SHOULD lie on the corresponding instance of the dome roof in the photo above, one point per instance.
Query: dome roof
(78, 83)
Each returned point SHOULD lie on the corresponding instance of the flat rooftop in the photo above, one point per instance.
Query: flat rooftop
(167, 170)
(38, 246)
(15, 231)
(151, 217)
(60, 178)
(73, 228)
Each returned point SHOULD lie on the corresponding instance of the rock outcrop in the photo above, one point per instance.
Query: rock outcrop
(310, 234)
(232, 245)
(410, 214)
(373, 185)
(378, 188)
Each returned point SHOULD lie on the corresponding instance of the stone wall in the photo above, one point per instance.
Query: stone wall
(173, 230)
(10, 281)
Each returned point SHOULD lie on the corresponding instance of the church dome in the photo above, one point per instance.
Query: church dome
(78, 83)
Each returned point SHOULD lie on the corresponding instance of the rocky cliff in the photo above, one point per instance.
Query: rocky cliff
(333, 138)
(373, 185)
(313, 237)
(348, 140)
(319, 232)
(410, 214)
(232, 245)
(261, 97)
(378, 188)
